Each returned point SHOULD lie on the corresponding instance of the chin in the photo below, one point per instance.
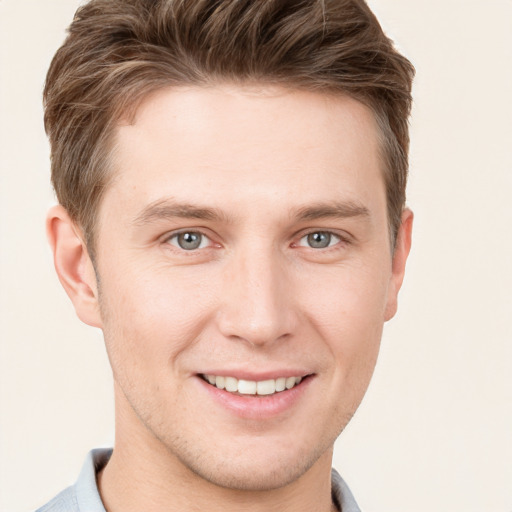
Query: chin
(253, 478)
(256, 469)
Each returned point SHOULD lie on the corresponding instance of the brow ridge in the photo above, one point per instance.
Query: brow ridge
(168, 208)
(338, 210)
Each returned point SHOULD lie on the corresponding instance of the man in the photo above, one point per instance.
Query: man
(231, 183)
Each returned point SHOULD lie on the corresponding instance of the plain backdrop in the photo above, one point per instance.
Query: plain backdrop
(434, 432)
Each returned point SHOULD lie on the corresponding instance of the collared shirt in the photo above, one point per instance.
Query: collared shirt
(83, 496)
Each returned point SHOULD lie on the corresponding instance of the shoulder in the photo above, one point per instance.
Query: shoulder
(341, 494)
(83, 496)
(64, 502)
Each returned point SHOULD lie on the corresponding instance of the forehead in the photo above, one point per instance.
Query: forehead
(257, 142)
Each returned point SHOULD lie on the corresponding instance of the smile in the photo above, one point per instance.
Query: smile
(252, 387)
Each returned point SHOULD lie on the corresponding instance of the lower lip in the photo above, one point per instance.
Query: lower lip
(257, 407)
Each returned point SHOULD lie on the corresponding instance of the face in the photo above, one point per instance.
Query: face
(243, 244)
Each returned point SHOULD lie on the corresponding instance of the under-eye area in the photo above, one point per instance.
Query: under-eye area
(251, 387)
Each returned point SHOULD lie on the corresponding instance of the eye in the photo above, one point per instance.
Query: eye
(319, 240)
(189, 240)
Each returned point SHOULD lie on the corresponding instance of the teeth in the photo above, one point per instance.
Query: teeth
(266, 387)
(247, 387)
(231, 384)
(290, 382)
(252, 387)
(281, 384)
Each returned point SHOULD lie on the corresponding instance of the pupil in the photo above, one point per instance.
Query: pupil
(319, 240)
(189, 240)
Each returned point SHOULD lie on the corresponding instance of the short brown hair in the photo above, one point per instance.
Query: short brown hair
(118, 51)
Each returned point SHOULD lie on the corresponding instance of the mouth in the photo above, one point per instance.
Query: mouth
(252, 387)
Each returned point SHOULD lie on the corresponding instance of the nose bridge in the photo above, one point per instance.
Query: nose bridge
(257, 305)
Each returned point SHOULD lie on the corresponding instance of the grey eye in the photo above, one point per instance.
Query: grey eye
(189, 240)
(319, 240)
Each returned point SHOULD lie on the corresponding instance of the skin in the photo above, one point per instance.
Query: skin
(252, 171)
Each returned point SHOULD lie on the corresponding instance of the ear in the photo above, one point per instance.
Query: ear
(73, 265)
(402, 248)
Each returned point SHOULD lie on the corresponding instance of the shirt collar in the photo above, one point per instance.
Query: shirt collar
(86, 488)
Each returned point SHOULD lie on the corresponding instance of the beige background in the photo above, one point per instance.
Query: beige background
(435, 430)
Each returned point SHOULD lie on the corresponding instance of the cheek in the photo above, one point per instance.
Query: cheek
(348, 315)
(351, 300)
(153, 316)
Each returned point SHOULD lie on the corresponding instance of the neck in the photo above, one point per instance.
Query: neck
(142, 474)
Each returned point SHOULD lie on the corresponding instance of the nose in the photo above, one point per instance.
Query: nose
(257, 298)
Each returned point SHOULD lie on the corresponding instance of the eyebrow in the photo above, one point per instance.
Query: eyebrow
(336, 210)
(168, 209)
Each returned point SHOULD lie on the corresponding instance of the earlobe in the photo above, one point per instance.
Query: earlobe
(402, 249)
(73, 265)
